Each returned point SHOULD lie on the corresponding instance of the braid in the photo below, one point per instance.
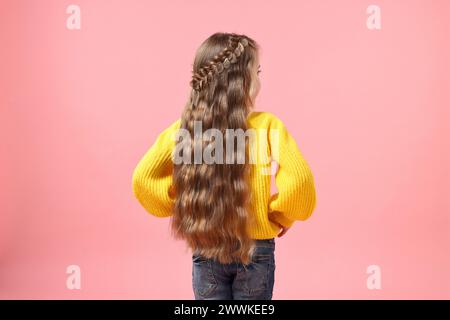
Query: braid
(218, 64)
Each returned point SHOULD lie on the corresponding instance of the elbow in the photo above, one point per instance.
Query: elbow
(140, 190)
(310, 205)
(148, 197)
(308, 210)
(308, 200)
(136, 183)
(143, 196)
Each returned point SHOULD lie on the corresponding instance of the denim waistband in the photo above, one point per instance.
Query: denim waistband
(271, 240)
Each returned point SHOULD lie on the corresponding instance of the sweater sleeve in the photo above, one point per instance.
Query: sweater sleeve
(152, 177)
(296, 197)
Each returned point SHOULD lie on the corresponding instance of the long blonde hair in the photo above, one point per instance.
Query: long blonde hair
(211, 211)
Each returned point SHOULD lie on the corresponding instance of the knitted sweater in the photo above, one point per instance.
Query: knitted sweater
(296, 196)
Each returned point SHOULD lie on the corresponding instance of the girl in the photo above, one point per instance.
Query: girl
(224, 211)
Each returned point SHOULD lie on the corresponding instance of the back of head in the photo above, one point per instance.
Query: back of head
(212, 199)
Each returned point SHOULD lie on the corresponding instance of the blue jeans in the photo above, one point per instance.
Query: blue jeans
(212, 280)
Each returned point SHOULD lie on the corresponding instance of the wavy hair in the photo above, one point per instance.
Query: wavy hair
(211, 211)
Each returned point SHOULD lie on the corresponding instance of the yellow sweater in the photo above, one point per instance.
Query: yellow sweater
(296, 196)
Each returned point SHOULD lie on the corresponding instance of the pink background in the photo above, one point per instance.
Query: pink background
(368, 108)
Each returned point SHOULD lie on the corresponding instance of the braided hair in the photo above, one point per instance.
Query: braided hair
(223, 60)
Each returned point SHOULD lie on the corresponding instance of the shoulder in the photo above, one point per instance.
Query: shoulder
(167, 135)
(265, 119)
(172, 127)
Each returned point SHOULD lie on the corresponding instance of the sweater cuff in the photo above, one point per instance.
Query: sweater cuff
(281, 219)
